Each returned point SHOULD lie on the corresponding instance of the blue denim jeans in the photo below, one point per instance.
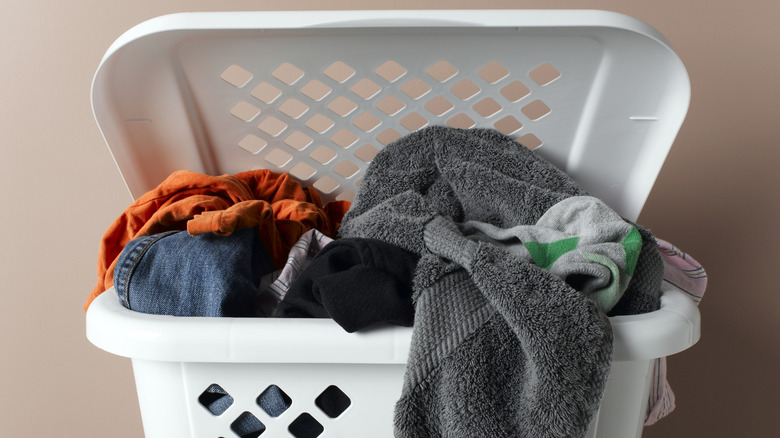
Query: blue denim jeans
(173, 273)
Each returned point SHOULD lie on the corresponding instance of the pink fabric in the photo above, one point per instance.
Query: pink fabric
(684, 272)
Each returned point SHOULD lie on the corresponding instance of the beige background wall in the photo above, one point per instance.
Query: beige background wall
(717, 198)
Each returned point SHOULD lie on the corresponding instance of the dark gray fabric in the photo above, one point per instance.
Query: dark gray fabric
(643, 292)
(501, 347)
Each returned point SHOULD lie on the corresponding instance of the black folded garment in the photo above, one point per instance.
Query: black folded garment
(357, 282)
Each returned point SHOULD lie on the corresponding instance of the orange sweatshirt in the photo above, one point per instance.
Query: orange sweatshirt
(280, 208)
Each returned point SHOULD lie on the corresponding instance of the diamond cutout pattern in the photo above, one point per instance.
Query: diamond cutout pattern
(245, 111)
(346, 169)
(487, 107)
(274, 401)
(344, 138)
(442, 71)
(366, 153)
(293, 108)
(266, 92)
(236, 76)
(493, 72)
(287, 73)
(333, 401)
(315, 90)
(536, 110)
(339, 72)
(461, 121)
(544, 74)
(530, 141)
(366, 88)
(305, 426)
(439, 105)
(215, 399)
(326, 184)
(342, 107)
(367, 122)
(390, 71)
(415, 88)
(465, 89)
(252, 143)
(413, 121)
(390, 105)
(508, 125)
(272, 126)
(247, 426)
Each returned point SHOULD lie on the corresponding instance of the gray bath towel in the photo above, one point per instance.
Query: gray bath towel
(501, 347)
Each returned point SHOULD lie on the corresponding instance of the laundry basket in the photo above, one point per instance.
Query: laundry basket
(317, 95)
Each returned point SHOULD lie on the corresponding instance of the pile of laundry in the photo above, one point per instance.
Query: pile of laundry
(504, 266)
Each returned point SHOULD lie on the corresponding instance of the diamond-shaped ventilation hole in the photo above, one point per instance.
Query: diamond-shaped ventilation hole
(215, 399)
(298, 140)
(305, 426)
(278, 157)
(315, 90)
(465, 89)
(346, 169)
(326, 185)
(339, 71)
(319, 123)
(508, 125)
(272, 126)
(333, 401)
(247, 426)
(302, 171)
(252, 143)
(274, 401)
(366, 153)
(441, 71)
(344, 138)
(366, 122)
(536, 110)
(461, 121)
(438, 105)
(415, 88)
(390, 71)
(544, 74)
(388, 136)
(293, 108)
(236, 76)
(515, 91)
(530, 141)
(487, 107)
(493, 72)
(323, 155)
(266, 92)
(245, 111)
(390, 105)
(342, 106)
(287, 73)
(413, 121)
(366, 88)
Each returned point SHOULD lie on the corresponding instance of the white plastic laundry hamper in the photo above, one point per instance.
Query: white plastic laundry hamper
(316, 95)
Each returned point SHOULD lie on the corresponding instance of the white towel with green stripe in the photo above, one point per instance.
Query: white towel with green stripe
(580, 240)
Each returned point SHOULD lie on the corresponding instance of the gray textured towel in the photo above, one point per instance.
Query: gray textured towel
(501, 347)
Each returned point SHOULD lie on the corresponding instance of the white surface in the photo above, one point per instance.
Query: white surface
(614, 111)
(124, 332)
